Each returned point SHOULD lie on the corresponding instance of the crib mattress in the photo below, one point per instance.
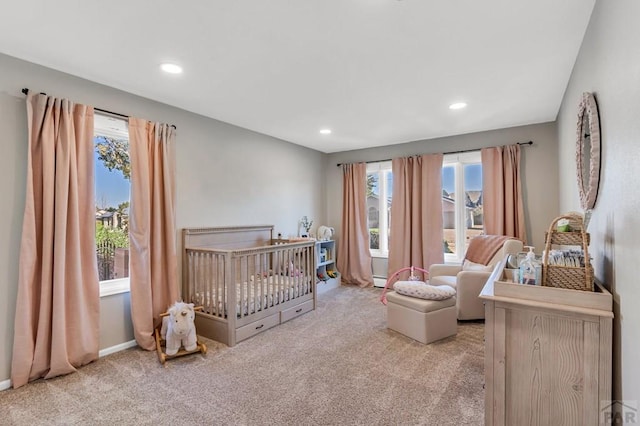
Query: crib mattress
(253, 296)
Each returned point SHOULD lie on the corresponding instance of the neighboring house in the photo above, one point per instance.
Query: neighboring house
(473, 209)
(448, 212)
(107, 219)
(110, 219)
(372, 209)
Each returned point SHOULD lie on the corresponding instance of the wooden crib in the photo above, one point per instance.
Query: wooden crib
(246, 281)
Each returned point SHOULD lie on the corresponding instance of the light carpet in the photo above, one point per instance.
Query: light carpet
(337, 365)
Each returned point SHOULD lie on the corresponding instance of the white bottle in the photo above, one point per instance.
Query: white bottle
(529, 269)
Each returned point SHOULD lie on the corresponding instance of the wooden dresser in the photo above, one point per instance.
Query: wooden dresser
(547, 353)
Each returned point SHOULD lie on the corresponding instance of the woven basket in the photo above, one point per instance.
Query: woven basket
(566, 276)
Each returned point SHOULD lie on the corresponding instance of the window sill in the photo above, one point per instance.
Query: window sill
(453, 259)
(378, 254)
(117, 286)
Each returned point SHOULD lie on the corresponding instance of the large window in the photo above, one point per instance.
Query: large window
(461, 202)
(112, 176)
(379, 192)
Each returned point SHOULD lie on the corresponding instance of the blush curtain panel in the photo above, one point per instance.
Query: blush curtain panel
(416, 213)
(58, 301)
(152, 230)
(502, 192)
(354, 258)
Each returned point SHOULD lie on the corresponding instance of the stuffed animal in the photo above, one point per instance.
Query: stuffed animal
(325, 233)
(178, 328)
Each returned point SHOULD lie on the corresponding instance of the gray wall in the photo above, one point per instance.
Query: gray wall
(226, 176)
(539, 172)
(609, 66)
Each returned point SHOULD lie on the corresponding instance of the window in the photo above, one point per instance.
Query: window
(461, 202)
(379, 192)
(112, 175)
(462, 215)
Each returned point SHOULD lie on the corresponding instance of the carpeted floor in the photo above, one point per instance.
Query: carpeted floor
(337, 365)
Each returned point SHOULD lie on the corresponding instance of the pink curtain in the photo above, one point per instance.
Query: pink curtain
(416, 233)
(57, 308)
(502, 192)
(354, 258)
(152, 230)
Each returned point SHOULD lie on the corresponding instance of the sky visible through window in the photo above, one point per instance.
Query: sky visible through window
(112, 188)
(472, 179)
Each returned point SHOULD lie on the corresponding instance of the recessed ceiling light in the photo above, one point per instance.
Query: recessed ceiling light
(458, 105)
(171, 68)
(325, 131)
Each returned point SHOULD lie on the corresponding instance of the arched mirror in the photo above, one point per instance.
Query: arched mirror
(588, 151)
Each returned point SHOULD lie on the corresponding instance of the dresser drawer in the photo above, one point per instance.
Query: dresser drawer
(256, 327)
(297, 310)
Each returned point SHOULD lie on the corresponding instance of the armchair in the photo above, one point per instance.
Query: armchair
(483, 254)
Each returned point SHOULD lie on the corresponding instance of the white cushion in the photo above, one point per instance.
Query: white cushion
(467, 265)
(451, 281)
(422, 290)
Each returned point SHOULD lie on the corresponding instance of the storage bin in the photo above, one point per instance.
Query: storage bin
(570, 277)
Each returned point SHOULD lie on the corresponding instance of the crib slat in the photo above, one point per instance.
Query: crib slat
(264, 281)
(257, 282)
(214, 294)
(280, 257)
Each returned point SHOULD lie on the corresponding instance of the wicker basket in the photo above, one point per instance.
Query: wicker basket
(566, 276)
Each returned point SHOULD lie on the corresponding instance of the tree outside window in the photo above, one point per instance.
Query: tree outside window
(113, 174)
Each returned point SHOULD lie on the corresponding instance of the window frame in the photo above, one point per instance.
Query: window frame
(458, 161)
(383, 169)
(117, 285)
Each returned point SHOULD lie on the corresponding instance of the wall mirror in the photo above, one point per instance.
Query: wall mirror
(588, 151)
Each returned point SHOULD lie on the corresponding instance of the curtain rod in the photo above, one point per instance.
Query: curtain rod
(444, 153)
(26, 92)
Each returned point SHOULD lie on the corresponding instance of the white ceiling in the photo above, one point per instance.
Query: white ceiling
(377, 72)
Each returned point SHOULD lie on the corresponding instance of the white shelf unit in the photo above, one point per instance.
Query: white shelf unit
(325, 263)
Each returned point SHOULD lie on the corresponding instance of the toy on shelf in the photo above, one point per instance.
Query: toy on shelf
(177, 336)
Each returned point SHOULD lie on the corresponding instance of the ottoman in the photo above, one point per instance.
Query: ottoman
(423, 320)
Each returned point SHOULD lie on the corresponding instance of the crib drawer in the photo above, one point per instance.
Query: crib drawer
(297, 310)
(256, 327)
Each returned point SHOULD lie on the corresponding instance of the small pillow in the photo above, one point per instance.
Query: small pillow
(422, 290)
(468, 265)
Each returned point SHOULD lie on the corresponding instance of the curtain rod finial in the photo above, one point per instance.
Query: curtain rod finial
(25, 91)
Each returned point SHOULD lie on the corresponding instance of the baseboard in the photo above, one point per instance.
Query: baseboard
(4, 385)
(379, 281)
(117, 348)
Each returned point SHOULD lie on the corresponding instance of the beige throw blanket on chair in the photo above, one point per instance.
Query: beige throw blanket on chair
(483, 247)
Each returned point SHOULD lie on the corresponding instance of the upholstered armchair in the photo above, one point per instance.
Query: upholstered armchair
(483, 254)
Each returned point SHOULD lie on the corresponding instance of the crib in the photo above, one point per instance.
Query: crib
(245, 281)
